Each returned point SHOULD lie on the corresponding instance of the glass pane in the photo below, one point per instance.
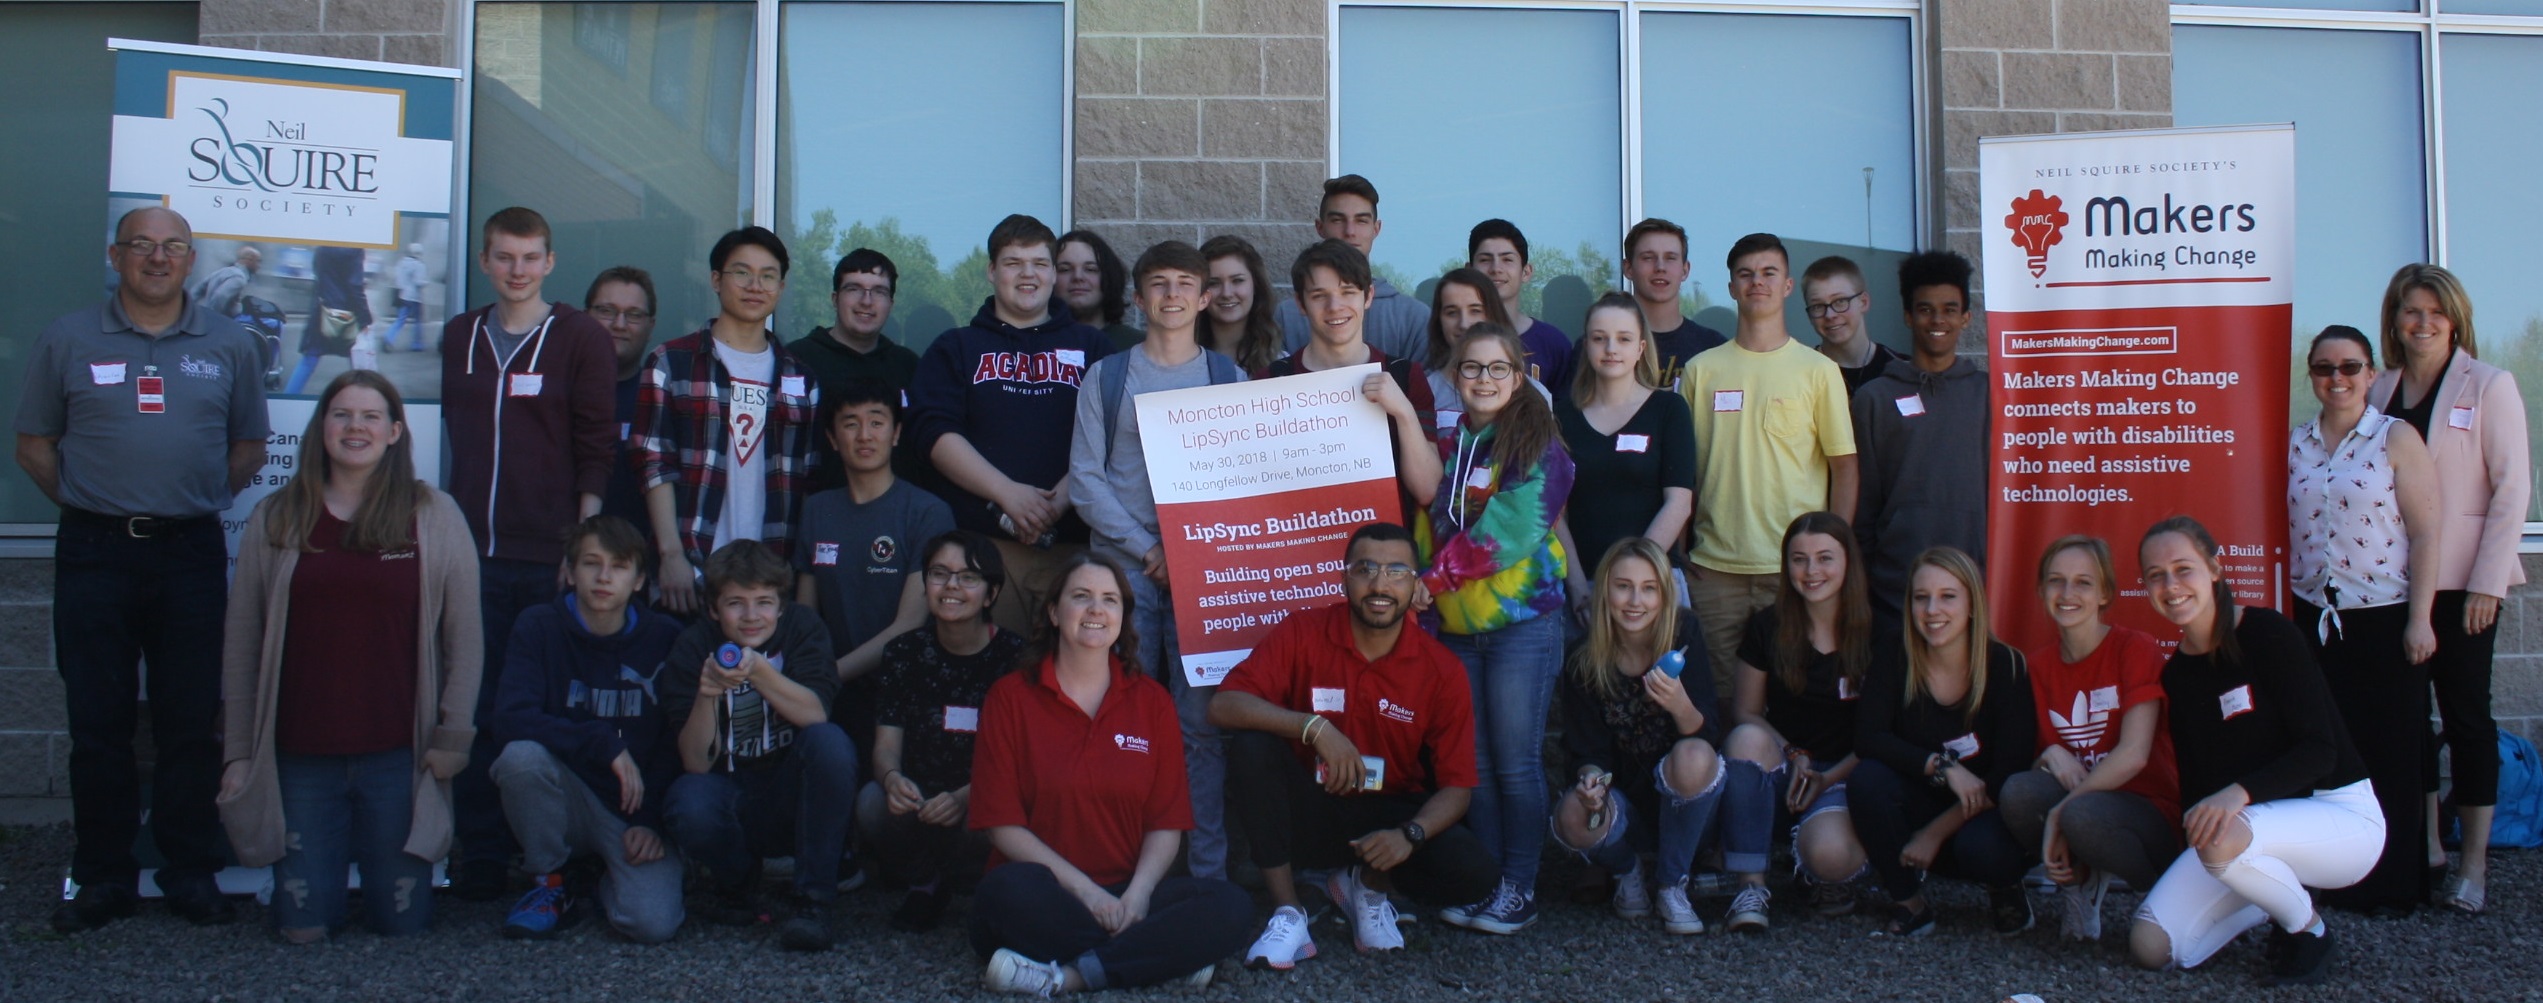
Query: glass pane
(54, 243)
(2529, 7)
(2403, 5)
(628, 126)
(1825, 158)
(1462, 115)
(2361, 209)
(946, 120)
(2494, 139)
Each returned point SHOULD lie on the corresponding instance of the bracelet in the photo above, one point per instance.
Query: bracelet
(1307, 731)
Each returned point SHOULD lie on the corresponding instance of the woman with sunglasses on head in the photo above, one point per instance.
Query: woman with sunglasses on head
(2105, 799)
(2362, 521)
(2279, 800)
(1941, 731)
(1495, 573)
(1633, 447)
(2472, 419)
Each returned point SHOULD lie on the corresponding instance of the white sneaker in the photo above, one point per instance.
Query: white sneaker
(1677, 915)
(1372, 916)
(1010, 972)
(2081, 915)
(1748, 910)
(1633, 898)
(1284, 943)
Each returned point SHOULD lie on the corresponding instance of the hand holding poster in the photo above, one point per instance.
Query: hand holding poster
(1259, 486)
(2138, 294)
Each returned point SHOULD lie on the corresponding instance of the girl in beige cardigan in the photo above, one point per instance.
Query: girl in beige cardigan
(355, 516)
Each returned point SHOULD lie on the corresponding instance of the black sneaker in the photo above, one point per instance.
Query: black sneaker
(809, 928)
(919, 912)
(2274, 951)
(199, 901)
(480, 880)
(2010, 909)
(95, 906)
(2307, 961)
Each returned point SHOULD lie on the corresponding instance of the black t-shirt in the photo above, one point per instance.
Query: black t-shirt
(1677, 348)
(2266, 722)
(1617, 479)
(1995, 743)
(2419, 415)
(934, 697)
(1820, 718)
(1857, 376)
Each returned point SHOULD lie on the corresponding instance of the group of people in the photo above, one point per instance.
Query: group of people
(689, 606)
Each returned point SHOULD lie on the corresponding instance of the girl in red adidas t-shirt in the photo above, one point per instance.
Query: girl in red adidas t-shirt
(2105, 800)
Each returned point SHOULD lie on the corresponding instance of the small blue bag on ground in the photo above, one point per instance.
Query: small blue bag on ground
(2520, 819)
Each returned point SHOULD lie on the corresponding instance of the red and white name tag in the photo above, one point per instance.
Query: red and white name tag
(1728, 400)
(2234, 702)
(1632, 443)
(1911, 405)
(527, 384)
(1965, 746)
(105, 374)
(825, 554)
(154, 394)
(2459, 418)
(962, 718)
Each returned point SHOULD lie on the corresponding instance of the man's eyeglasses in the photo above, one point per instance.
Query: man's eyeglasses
(744, 277)
(1840, 306)
(612, 315)
(866, 292)
(147, 248)
(967, 579)
(1368, 570)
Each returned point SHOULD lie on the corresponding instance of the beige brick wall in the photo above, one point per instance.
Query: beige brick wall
(1201, 117)
(399, 31)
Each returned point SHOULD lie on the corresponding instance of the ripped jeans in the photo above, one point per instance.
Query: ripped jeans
(350, 811)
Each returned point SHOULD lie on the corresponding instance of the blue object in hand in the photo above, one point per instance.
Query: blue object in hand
(1673, 663)
(729, 656)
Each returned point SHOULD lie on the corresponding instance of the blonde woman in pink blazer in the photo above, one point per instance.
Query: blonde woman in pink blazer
(2474, 423)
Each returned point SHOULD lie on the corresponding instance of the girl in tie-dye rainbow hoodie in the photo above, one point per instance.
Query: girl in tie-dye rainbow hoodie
(1495, 576)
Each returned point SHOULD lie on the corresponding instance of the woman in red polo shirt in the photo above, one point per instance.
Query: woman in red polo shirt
(1078, 779)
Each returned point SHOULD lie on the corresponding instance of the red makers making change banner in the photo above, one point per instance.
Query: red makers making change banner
(1259, 486)
(2138, 309)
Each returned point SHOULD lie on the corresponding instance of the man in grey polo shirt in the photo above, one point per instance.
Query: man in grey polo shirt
(142, 417)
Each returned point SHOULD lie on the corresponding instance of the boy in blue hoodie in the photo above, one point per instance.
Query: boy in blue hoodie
(993, 406)
(587, 757)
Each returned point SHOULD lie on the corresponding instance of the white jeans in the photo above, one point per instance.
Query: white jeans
(2329, 840)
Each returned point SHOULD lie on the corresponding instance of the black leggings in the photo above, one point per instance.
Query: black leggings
(1289, 820)
(2383, 699)
(1191, 924)
(2461, 671)
(1887, 811)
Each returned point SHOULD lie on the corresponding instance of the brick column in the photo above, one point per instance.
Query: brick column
(1201, 117)
(398, 31)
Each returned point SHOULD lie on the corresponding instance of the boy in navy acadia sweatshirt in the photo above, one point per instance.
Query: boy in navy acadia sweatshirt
(993, 407)
(587, 758)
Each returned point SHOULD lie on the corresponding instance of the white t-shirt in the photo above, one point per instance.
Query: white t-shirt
(745, 512)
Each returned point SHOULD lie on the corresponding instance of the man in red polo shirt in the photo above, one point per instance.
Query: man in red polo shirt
(1351, 745)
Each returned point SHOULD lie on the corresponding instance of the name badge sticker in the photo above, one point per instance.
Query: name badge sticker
(1325, 699)
(825, 554)
(1965, 746)
(626, 430)
(962, 718)
(1728, 400)
(1071, 357)
(105, 374)
(527, 384)
(1626, 443)
(1845, 689)
(1911, 405)
(2459, 418)
(153, 392)
(2234, 702)
(1480, 478)
(1447, 419)
(790, 386)
(2105, 698)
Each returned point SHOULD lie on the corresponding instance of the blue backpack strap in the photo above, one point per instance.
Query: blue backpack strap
(1222, 369)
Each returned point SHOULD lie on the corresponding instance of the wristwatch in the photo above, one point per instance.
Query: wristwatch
(1415, 834)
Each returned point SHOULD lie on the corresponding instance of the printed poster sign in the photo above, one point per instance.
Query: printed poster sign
(2138, 300)
(319, 191)
(1259, 486)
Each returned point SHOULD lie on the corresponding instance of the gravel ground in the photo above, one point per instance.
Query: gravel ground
(1577, 952)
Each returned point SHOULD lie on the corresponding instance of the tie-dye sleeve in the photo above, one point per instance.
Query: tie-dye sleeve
(1516, 523)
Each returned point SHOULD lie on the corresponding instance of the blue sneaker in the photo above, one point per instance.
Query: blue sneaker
(541, 914)
(1510, 911)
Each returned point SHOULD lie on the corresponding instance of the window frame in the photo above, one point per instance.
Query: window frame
(2430, 24)
(1629, 83)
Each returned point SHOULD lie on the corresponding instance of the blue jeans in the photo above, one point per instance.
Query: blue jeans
(1511, 672)
(726, 822)
(1753, 808)
(408, 312)
(1204, 746)
(505, 588)
(350, 810)
(1686, 820)
(300, 374)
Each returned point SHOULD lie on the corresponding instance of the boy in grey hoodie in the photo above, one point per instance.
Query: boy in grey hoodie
(1921, 430)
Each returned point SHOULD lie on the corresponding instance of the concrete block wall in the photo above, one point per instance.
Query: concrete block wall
(1201, 117)
(398, 31)
(35, 753)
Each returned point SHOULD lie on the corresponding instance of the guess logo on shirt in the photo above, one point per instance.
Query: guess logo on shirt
(1130, 743)
(746, 417)
(1393, 711)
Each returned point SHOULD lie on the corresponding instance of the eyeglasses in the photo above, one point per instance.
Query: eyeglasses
(744, 277)
(1840, 306)
(1479, 370)
(612, 315)
(966, 579)
(1367, 570)
(865, 292)
(2345, 367)
(146, 248)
